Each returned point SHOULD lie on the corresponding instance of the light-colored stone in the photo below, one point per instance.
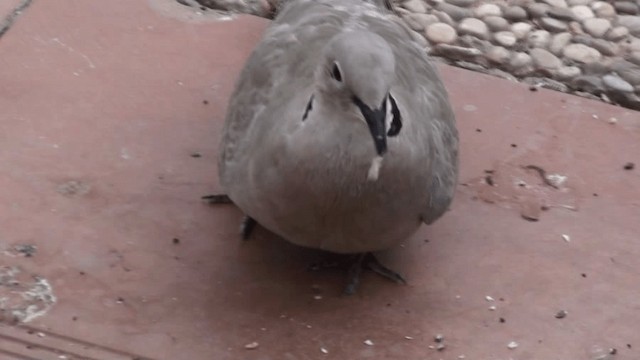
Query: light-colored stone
(596, 27)
(627, 70)
(520, 64)
(539, 38)
(561, 13)
(544, 60)
(456, 52)
(443, 17)
(582, 12)
(565, 73)
(505, 38)
(603, 9)
(617, 33)
(558, 42)
(496, 23)
(556, 3)
(588, 83)
(515, 13)
(553, 25)
(418, 22)
(615, 83)
(575, 28)
(488, 9)
(441, 33)
(634, 57)
(475, 27)
(462, 3)
(581, 53)
(457, 13)
(630, 22)
(537, 9)
(521, 30)
(415, 6)
(626, 7)
(578, 2)
(498, 55)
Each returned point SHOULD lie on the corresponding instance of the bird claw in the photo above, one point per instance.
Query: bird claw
(369, 261)
(217, 199)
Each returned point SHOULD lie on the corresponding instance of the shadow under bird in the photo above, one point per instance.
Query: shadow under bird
(339, 135)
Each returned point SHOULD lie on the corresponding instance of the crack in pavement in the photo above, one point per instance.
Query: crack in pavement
(6, 24)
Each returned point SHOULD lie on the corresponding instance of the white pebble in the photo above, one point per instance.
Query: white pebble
(612, 120)
(324, 351)
(566, 237)
(489, 298)
(492, 308)
(251, 346)
(368, 342)
(408, 337)
(512, 345)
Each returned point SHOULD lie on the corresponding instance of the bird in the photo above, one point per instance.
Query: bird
(339, 134)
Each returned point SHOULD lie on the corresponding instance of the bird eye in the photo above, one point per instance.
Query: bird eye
(335, 72)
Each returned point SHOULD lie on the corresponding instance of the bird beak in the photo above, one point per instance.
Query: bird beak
(376, 121)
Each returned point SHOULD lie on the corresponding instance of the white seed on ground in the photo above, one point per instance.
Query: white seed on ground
(324, 351)
(566, 237)
(492, 308)
(368, 342)
(251, 346)
(489, 298)
(512, 345)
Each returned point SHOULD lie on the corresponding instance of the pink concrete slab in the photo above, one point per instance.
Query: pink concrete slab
(104, 110)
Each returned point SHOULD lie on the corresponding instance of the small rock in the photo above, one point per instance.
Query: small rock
(515, 13)
(462, 3)
(582, 12)
(575, 28)
(599, 68)
(415, 6)
(455, 52)
(565, 73)
(251, 346)
(615, 83)
(581, 53)
(561, 314)
(588, 83)
(496, 23)
(440, 347)
(368, 342)
(544, 60)
(498, 55)
(578, 2)
(603, 9)
(629, 166)
(596, 27)
(539, 38)
(473, 42)
(628, 71)
(625, 7)
(556, 3)
(634, 57)
(419, 22)
(561, 13)
(505, 38)
(443, 17)
(520, 64)
(475, 27)
(521, 30)
(457, 13)
(488, 10)
(512, 345)
(438, 338)
(441, 33)
(605, 47)
(537, 9)
(558, 42)
(553, 25)
(617, 33)
(630, 22)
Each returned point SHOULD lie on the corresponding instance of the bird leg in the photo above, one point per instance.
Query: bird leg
(368, 261)
(247, 226)
(217, 199)
(248, 223)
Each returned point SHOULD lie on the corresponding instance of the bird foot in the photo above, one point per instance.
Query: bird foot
(368, 261)
(217, 199)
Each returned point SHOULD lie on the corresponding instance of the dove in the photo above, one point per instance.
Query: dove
(339, 134)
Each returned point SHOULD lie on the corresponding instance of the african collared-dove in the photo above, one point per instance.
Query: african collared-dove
(339, 134)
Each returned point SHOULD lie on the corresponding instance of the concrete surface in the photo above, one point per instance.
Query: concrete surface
(104, 108)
